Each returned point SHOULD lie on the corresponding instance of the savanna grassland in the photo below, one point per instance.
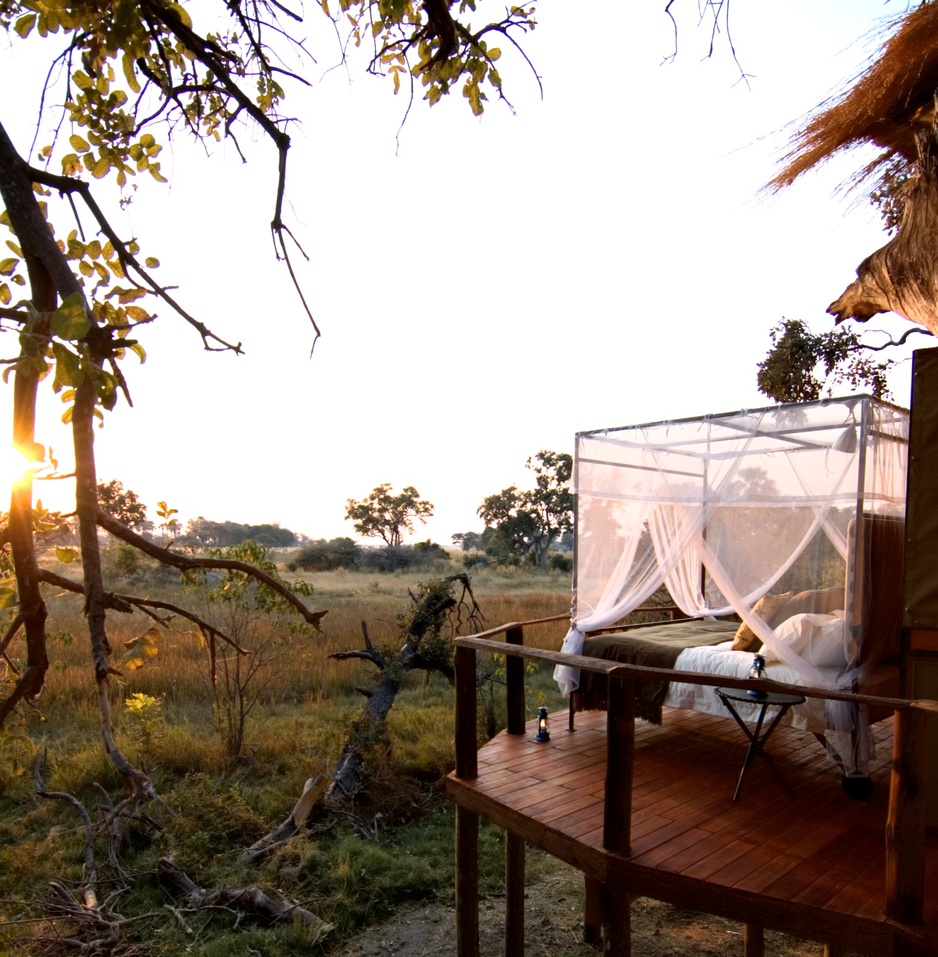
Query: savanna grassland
(228, 763)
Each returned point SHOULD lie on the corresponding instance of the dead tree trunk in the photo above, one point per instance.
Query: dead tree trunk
(902, 276)
(428, 617)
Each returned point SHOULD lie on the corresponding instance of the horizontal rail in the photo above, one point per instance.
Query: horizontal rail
(645, 673)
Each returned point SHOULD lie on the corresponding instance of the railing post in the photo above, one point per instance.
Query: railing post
(467, 765)
(514, 679)
(905, 824)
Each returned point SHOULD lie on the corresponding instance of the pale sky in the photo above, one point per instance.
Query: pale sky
(486, 288)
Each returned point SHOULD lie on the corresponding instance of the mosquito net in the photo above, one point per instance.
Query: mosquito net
(733, 512)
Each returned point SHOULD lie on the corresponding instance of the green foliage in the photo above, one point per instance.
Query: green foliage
(402, 558)
(225, 534)
(146, 723)
(425, 41)
(525, 524)
(383, 515)
(801, 364)
(124, 505)
(259, 621)
(323, 556)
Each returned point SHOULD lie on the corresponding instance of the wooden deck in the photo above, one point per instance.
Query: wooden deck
(813, 865)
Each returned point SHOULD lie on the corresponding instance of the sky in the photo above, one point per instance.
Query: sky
(486, 288)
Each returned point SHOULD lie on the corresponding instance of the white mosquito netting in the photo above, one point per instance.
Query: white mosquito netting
(726, 509)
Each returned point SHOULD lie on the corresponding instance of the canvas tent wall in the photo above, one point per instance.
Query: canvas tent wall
(725, 509)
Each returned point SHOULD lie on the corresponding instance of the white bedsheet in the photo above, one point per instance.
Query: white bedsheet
(722, 660)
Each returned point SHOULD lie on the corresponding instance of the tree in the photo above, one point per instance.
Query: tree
(386, 516)
(124, 505)
(801, 364)
(527, 523)
(129, 70)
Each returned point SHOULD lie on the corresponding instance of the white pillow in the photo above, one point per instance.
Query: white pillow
(818, 639)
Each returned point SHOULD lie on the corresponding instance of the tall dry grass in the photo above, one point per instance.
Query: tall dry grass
(303, 673)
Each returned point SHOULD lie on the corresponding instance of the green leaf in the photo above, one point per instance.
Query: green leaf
(5, 294)
(67, 365)
(65, 555)
(7, 266)
(141, 649)
(79, 143)
(70, 321)
(151, 263)
(25, 24)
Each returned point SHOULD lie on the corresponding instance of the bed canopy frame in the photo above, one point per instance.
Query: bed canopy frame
(731, 513)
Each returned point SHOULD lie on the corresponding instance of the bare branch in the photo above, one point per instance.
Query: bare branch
(191, 563)
(89, 888)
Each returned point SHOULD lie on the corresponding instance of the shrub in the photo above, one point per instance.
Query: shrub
(323, 556)
(561, 563)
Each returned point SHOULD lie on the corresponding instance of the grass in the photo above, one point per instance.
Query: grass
(348, 872)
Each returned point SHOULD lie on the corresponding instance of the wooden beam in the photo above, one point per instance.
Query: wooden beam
(905, 824)
(514, 679)
(514, 895)
(467, 883)
(753, 940)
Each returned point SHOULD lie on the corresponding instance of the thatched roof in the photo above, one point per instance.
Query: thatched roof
(885, 106)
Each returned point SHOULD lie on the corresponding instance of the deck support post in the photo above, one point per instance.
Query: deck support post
(514, 680)
(617, 922)
(905, 824)
(593, 911)
(617, 810)
(467, 883)
(467, 823)
(620, 752)
(514, 895)
(753, 940)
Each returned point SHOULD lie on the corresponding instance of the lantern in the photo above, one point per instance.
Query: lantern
(756, 672)
(543, 725)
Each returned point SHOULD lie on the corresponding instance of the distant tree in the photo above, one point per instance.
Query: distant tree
(124, 505)
(801, 364)
(469, 541)
(527, 523)
(386, 516)
(227, 534)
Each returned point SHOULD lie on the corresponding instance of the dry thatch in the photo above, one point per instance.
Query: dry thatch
(886, 105)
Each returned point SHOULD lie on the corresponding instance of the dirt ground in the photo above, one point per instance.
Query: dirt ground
(553, 928)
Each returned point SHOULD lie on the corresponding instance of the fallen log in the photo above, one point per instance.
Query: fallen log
(247, 900)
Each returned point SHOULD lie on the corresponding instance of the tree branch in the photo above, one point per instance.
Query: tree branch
(191, 563)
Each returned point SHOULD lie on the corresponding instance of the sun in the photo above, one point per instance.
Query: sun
(15, 467)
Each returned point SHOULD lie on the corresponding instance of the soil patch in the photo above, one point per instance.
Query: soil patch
(553, 928)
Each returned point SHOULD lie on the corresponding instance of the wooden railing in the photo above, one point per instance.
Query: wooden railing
(905, 825)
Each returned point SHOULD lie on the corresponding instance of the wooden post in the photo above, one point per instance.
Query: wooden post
(467, 883)
(617, 809)
(593, 912)
(753, 940)
(514, 679)
(620, 753)
(617, 922)
(905, 824)
(467, 763)
(514, 895)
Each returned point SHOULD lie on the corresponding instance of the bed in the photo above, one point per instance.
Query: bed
(777, 531)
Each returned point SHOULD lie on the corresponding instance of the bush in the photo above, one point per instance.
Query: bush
(426, 555)
(323, 556)
(561, 563)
